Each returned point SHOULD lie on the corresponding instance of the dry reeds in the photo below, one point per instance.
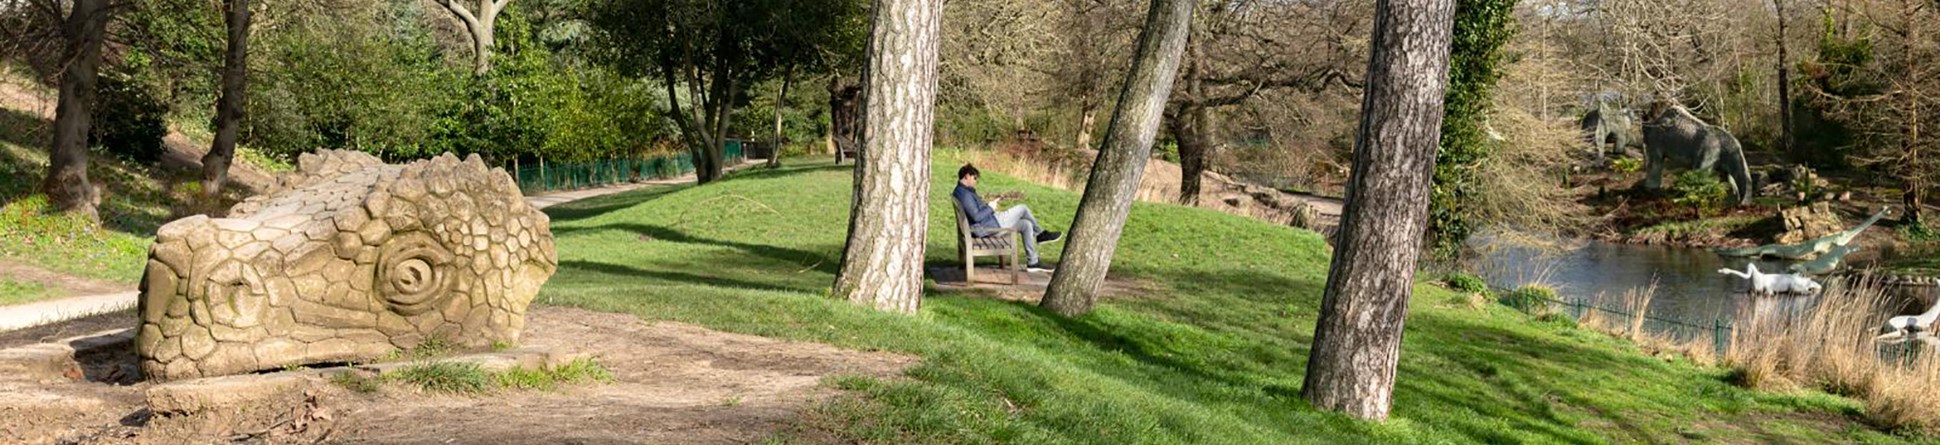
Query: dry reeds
(1627, 322)
(1831, 347)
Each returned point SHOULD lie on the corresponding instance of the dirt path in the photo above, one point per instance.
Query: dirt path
(182, 155)
(673, 383)
(58, 284)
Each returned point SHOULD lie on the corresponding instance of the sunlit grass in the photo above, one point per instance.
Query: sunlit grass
(1212, 351)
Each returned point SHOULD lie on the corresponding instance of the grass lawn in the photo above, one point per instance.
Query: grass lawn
(132, 206)
(12, 292)
(1213, 352)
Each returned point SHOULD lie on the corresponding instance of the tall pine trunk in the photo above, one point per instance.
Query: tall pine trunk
(1357, 340)
(882, 262)
(230, 106)
(1114, 179)
(67, 185)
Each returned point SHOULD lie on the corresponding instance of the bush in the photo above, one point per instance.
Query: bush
(1534, 298)
(129, 120)
(1701, 190)
(1468, 283)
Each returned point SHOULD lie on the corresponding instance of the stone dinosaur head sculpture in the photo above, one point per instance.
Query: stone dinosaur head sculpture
(348, 259)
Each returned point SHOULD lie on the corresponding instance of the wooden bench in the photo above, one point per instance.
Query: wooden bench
(999, 242)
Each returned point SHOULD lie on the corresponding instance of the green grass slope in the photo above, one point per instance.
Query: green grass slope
(1213, 351)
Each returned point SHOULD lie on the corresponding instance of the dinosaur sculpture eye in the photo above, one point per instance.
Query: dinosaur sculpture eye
(412, 273)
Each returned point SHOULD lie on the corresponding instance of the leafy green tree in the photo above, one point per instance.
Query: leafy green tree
(715, 49)
(1482, 27)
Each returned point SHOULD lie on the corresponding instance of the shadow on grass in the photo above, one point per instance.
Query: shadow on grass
(599, 205)
(635, 273)
(821, 261)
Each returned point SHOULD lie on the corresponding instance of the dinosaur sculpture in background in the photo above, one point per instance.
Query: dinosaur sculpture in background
(1808, 249)
(1609, 124)
(1773, 283)
(1825, 264)
(1910, 327)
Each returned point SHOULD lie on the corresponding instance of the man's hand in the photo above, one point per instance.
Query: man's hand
(994, 201)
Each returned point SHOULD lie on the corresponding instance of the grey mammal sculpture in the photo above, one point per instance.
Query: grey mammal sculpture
(1608, 123)
(1673, 135)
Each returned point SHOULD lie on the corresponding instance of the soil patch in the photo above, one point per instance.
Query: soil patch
(673, 383)
(1029, 287)
(59, 284)
(68, 329)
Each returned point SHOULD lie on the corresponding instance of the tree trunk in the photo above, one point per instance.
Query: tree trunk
(1913, 197)
(717, 132)
(1189, 128)
(230, 106)
(1087, 118)
(781, 101)
(479, 27)
(1785, 90)
(690, 131)
(67, 185)
(882, 262)
(845, 104)
(1114, 179)
(1357, 340)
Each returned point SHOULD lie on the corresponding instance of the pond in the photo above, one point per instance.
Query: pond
(1690, 297)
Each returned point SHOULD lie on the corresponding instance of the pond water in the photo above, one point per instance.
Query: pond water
(1690, 296)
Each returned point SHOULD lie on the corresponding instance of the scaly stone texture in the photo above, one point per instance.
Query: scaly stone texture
(347, 259)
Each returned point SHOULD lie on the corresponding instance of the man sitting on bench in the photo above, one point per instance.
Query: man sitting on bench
(985, 216)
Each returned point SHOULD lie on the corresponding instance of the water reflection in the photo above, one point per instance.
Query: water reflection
(1689, 287)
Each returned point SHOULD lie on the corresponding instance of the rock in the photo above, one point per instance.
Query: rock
(345, 259)
(1808, 222)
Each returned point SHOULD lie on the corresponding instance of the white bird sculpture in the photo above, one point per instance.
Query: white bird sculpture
(1774, 283)
(1910, 327)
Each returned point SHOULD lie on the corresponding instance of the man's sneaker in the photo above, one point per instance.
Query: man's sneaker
(1048, 237)
(1038, 267)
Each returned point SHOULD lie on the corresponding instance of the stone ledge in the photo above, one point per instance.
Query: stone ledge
(55, 360)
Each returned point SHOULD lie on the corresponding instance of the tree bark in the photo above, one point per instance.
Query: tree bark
(1914, 196)
(1087, 118)
(230, 106)
(882, 262)
(723, 101)
(781, 101)
(479, 27)
(67, 185)
(1189, 129)
(1357, 340)
(845, 104)
(1114, 179)
(1785, 90)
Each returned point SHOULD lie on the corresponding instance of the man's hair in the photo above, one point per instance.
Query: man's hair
(968, 171)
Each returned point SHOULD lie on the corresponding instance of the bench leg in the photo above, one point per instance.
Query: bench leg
(969, 270)
(1016, 266)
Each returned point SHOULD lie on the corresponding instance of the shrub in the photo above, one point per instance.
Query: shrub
(1465, 282)
(1534, 298)
(1701, 190)
(130, 121)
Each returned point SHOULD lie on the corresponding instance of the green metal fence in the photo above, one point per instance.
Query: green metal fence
(557, 176)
